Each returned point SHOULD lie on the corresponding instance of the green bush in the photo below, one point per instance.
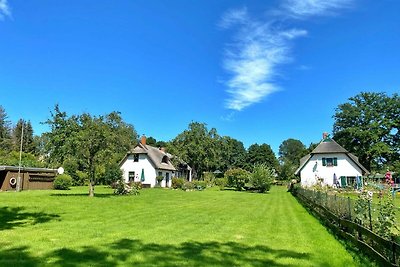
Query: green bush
(136, 185)
(209, 178)
(122, 188)
(200, 185)
(112, 173)
(62, 182)
(237, 178)
(177, 183)
(221, 182)
(159, 180)
(262, 177)
(188, 186)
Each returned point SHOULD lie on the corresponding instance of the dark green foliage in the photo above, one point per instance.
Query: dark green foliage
(259, 154)
(197, 146)
(177, 183)
(200, 185)
(122, 188)
(63, 182)
(89, 146)
(287, 171)
(368, 126)
(5, 131)
(237, 178)
(111, 174)
(159, 179)
(151, 141)
(28, 144)
(11, 158)
(206, 151)
(291, 151)
(386, 221)
(221, 182)
(233, 153)
(188, 186)
(209, 178)
(262, 177)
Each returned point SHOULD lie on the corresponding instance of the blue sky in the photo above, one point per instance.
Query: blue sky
(258, 71)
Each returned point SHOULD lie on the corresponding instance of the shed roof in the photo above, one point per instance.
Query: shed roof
(26, 169)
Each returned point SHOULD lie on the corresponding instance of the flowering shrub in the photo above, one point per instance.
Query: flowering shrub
(362, 205)
(177, 183)
(386, 221)
(188, 186)
(122, 188)
(261, 178)
(221, 182)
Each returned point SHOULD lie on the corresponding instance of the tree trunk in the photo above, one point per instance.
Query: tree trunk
(91, 177)
(91, 188)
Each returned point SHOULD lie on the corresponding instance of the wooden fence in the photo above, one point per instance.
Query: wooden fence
(339, 219)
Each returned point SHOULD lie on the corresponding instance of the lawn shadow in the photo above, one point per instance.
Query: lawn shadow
(99, 195)
(137, 253)
(17, 217)
(17, 256)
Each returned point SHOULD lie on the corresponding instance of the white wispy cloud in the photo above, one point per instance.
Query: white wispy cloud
(4, 9)
(305, 8)
(252, 60)
(260, 47)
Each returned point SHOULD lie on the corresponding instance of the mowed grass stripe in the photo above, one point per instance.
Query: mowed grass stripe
(164, 228)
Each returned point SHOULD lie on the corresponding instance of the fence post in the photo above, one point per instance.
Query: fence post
(349, 204)
(393, 250)
(369, 213)
(326, 200)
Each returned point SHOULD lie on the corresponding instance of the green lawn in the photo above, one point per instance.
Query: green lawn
(164, 228)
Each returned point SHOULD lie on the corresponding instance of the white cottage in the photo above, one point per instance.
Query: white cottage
(329, 163)
(144, 163)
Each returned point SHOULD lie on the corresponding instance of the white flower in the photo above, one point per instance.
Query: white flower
(370, 194)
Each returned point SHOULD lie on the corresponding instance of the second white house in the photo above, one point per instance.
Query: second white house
(144, 163)
(329, 164)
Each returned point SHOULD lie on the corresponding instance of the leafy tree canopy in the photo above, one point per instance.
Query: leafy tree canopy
(291, 151)
(368, 126)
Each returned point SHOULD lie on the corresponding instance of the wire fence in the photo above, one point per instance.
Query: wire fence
(353, 221)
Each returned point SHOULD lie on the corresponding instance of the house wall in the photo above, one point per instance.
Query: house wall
(150, 173)
(130, 166)
(164, 174)
(313, 168)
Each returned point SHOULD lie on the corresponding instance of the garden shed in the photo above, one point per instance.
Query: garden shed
(31, 178)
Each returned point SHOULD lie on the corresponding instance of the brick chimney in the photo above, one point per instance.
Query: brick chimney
(324, 135)
(143, 140)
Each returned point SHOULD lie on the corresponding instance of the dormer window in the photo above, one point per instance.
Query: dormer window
(329, 162)
(164, 160)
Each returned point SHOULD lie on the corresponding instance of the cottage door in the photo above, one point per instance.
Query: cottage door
(167, 179)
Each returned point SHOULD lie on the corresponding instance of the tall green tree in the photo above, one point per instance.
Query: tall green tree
(368, 126)
(198, 146)
(232, 153)
(5, 131)
(28, 143)
(261, 154)
(59, 145)
(291, 151)
(88, 146)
